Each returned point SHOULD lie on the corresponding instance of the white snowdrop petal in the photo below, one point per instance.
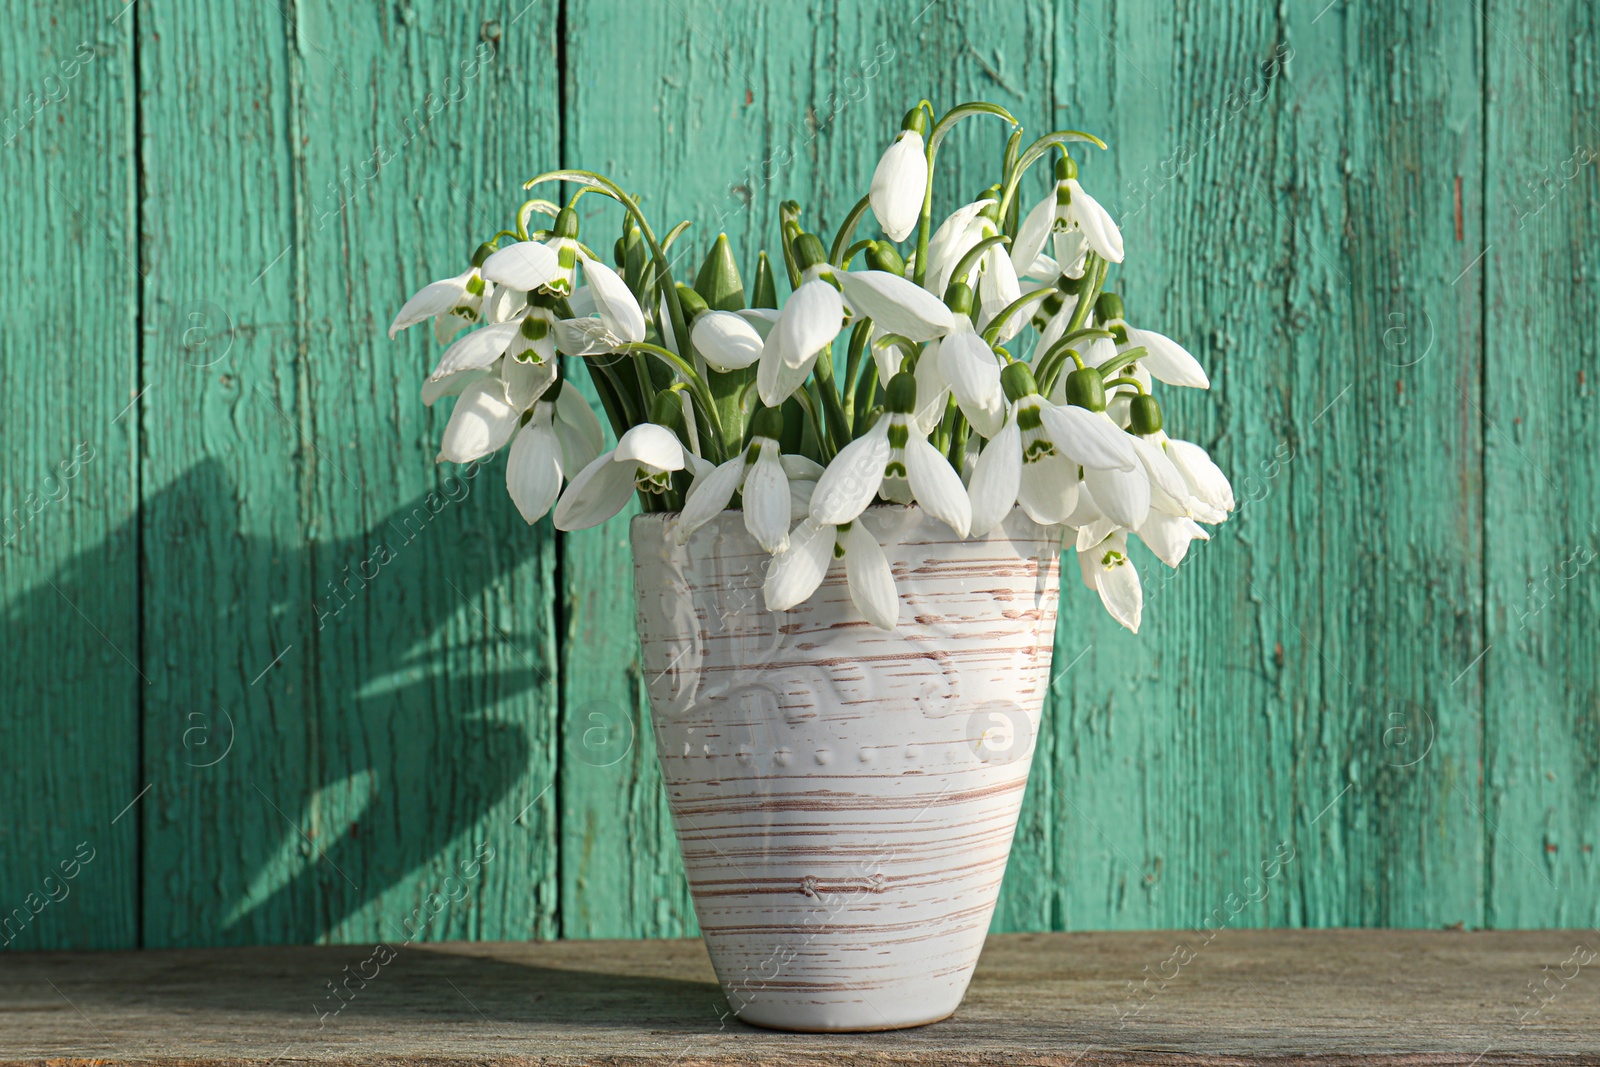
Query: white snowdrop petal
(1168, 361)
(650, 445)
(526, 381)
(850, 482)
(809, 320)
(997, 290)
(997, 479)
(1120, 592)
(614, 301)
(937, 486)
(708, 497)
(898, 185)
(432, 299)
(526, 265)
(871, 582)
(1124, 496)
(476, 350)
(795, 573)
(1048, 489)
(933, 392)
(1203, 476)
(584, 337)
(1088, 437)
(766, 499)
(481, 423)
(1098, 229)
(533, 469)
(434, 390)
(1163, 474)
(727, 341)
(597, 493)
(575, 416)
(1033, 233)
(970, 366)
(776, 380)
(895, 305)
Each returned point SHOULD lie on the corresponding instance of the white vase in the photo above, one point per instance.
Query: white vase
(845, 798)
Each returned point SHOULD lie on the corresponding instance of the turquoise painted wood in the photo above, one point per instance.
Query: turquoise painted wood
(350, 696)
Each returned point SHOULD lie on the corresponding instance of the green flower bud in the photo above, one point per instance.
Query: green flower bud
(881, 255)
(1109, 307)
(1017, 380)
(619, 255)
(768, 422)
(1086, 389)
(1066, 169)
(917, 120)
(718, 280)
(902, 393)
(566, 223)
(691, 302)
(958, 298)
(484, 251)
(765, 294)
(808, 251)
(1146, 415)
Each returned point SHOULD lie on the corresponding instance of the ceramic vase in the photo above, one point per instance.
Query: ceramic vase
(845, 797)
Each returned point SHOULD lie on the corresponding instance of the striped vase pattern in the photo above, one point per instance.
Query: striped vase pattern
(845, 798)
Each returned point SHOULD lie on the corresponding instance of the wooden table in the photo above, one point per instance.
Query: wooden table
(1283, 997)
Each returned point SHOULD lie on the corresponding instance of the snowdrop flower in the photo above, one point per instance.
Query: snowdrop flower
(895, 459)
(536, 265)
(811, 318)
(645, 458)
(1034, 459)
(965, 227)
(1108, 571)
(761, 473)
(726, 340)
(1165, 359)
(619, 318)
(963, 364)
(561, 435)
(451, 303)
(796, 572)
(530, 333)
(1077, 221)
(901, 180)
(894, 304)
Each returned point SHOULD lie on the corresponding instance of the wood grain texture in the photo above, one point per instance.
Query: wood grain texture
(68, 542)
(1324, 998)
(1380, 243)
(371, 635)
(1540, 670)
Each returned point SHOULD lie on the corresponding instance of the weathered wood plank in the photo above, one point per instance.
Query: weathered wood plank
(68, 543)
(1329, 998)
(1540, 791)
(373, 636)
(1287, 185)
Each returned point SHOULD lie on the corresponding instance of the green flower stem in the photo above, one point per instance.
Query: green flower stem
(858, 345)
(617, 412)
(838, 421)
(1012, 308)
(965, 264)
(851, 221)
(851, 252)
(865, 395)
(1132, 355)
(958, 444)
(1114, 382)
(715, 441)
(804, 399)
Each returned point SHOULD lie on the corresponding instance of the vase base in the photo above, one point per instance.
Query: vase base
(879, 1026)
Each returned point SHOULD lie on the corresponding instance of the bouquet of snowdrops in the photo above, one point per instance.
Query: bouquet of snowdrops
(722, 396)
